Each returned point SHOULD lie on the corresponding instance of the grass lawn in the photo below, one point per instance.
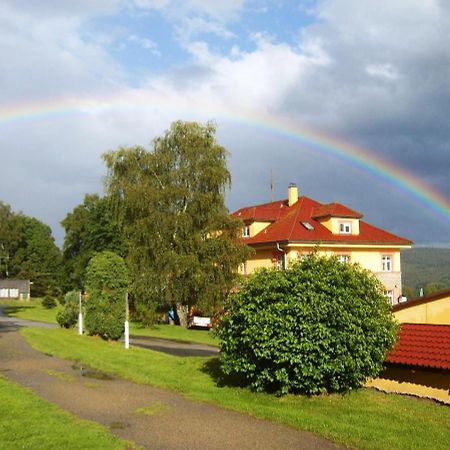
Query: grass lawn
(26, 421)
(363, 419)
(176, 333)
(31, 310)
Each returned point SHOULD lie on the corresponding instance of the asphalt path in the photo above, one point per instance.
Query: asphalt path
(171, 347)
(151, 417)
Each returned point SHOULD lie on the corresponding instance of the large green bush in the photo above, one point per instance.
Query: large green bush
(68, 316)
(48, 302)
(107, 280)
(319, 326)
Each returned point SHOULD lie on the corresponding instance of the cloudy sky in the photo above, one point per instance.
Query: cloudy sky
(280, 79)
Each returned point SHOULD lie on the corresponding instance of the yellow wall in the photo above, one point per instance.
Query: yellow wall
(261, 258)
(423, 383)
(368, 257)
(333, 224)
(433, 312)
(257, 227)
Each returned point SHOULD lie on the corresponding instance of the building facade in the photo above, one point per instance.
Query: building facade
(283, 231)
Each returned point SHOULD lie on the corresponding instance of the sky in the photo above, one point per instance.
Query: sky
(348, 99)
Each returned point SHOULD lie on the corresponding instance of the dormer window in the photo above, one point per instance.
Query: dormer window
(345, 228)
(246, 231)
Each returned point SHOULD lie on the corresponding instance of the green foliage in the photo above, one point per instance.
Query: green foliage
(90, 228)
(425, 266)
(183, 244)
(319, 326)
(107, 280)
(28, 251)
(48, 302)
(68, 316)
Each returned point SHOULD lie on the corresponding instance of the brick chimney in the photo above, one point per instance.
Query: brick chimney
(292, 194)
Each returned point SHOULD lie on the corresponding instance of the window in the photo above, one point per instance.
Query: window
(308, 226)
(246, 231)
(280, 261)
(386, 263)
(390, 296)
(345, 227)
(343, 258)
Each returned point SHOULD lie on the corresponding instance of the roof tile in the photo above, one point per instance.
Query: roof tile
(422, 345)
(286, 224)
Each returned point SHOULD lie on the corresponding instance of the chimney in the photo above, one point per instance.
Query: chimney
(292, 194)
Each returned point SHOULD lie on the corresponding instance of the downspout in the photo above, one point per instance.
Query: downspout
(284, 255)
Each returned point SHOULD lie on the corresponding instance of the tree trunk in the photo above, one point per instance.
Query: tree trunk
(182, 312)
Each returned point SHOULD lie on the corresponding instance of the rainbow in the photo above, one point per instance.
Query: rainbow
(357, 156)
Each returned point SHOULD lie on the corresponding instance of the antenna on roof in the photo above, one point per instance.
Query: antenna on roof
(271, 185)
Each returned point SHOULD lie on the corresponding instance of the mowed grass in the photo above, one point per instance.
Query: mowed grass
(363, 419)
(174, 332)
(33, 310)
(27, 421)
(30, 310)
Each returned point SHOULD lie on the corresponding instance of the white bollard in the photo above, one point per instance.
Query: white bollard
(127, 335)
(80, 323)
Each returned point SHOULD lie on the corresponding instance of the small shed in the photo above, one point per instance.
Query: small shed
(15, 289)
(419, 363)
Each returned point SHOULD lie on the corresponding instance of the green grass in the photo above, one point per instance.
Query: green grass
(26, 421)
(176, 333)
(363, 419)
(30, 310)
(33, 310)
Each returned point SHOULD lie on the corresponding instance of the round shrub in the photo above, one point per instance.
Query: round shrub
(320, 326)
(106, 283)
(68, 316)
(48, 302)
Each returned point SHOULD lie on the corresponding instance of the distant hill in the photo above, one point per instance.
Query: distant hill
(426, 266)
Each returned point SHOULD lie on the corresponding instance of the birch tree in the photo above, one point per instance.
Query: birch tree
(183, 245)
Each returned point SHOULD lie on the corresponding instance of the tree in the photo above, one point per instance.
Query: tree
(321, 325)
(183, 244)
(107, 281)
(10, 239)
(28, 250)
(68, 316)
(90, 228)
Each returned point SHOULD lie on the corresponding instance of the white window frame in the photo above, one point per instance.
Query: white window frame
(386, 263)
(246, 231)
(345, 228)
(343, 258)
(389, 294)
(281, 261)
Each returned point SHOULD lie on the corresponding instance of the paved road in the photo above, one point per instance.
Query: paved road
(174, 422)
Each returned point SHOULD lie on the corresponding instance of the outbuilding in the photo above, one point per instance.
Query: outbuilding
(15, 289)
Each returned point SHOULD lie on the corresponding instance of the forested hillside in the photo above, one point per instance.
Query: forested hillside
(427, 268)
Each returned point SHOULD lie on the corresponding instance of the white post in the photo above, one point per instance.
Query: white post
(80, 316)
(127, 326)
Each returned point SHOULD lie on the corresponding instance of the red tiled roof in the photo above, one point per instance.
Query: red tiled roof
(335, 210)
(287, 224)
(422, 345)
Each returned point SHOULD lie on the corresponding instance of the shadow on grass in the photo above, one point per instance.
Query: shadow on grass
(10, 310)
(213, 369)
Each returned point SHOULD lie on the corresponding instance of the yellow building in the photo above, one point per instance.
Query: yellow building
(285, 230)
(431, 309)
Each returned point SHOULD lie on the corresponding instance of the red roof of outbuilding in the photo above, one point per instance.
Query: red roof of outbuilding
(422, 345)
(288, 224)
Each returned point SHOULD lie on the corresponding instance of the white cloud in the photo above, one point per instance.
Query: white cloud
(386, 71)
(220, 11)
(376, 74)
(145, 43)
